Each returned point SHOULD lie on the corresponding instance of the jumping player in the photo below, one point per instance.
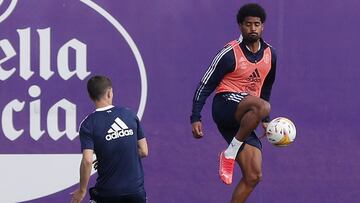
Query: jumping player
(116, 137)
(242, 75)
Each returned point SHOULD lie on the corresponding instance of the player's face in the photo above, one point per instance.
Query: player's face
(251, 29)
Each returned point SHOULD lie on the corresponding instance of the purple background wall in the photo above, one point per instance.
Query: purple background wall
(317, 78)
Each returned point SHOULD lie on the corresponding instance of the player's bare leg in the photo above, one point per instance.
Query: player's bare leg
(249, 160)
(250, 111)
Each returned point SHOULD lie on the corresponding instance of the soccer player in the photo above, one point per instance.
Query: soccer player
(116, 137)
(242, 75)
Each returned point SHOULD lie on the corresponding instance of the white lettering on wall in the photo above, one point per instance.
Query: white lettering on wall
(45, 72)
(7, 121)
(63, 60)
(25, 53)
(35, 113)
(70, 120)
(9, 52)
(45, 53)
(7, 118)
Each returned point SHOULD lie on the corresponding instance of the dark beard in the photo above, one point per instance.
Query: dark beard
(250, 40)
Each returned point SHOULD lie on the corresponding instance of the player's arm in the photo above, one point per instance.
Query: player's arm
(143, 148)
(223, 63)
(87, 146)
(268, 83)
(85, 172)
(85, 168)
(141, 140)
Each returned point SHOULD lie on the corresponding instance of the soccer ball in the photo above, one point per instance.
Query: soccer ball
(281, 132)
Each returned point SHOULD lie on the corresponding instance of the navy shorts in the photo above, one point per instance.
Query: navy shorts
(139, 197)
(223, 111)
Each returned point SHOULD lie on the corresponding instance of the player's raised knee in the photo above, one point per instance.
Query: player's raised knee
(253, 179)
(265, 108)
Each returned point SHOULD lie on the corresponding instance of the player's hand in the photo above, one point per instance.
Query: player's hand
(264, 125)
(77, 196)
(96, 164)
(197, 129)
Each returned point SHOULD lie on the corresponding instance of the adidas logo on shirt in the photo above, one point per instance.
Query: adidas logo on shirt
(255, 76)
(118, 129)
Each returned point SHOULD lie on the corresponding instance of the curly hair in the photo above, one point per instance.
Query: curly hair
(251, 9)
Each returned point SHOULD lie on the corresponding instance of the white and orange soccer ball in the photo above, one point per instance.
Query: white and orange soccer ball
(281, 132)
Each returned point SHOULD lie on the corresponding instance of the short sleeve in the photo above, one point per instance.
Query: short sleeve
(85, 133)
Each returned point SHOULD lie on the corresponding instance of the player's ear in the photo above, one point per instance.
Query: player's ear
(109, 93)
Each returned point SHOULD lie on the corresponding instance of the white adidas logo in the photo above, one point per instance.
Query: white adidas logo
(118, 129)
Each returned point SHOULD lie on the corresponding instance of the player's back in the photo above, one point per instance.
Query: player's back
(115, 132)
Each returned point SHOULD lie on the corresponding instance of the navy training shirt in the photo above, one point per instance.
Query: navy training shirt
(113, 132)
